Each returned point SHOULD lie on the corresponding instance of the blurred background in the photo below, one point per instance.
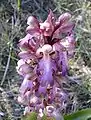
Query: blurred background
(13, 17)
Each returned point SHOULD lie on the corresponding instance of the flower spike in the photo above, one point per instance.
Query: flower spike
(44, 55)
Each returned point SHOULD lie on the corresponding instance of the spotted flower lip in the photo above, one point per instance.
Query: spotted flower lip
(44, 54)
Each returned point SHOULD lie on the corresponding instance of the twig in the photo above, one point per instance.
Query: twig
(7, 66)
(39, 7)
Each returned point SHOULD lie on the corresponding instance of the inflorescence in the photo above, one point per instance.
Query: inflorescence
(44, 55)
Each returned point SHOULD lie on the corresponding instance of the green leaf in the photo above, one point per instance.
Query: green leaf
(84, 114)
(47, 118)
(31, 116)
(44, 117)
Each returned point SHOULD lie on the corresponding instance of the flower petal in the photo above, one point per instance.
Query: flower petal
(67, 28)
(64, 18)
(27, 84)
(32, 21)
(25, 55)
(48, 26)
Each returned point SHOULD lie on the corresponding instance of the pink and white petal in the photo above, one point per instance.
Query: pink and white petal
(64, 18)
(32, 21)
(26, 55)
(27, 84)
(32, 31)
(48, 26)
(51, 18)
(67, 28)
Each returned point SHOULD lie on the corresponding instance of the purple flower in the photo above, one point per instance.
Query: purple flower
(46, 66)
(44, 55)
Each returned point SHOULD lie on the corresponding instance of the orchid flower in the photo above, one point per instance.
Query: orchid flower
(44, 53)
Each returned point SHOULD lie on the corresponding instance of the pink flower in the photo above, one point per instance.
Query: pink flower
(44, 55)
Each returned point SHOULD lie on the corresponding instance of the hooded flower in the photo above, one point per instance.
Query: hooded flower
(44, 55)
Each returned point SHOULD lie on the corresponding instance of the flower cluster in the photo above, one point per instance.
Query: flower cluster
(45, 52)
